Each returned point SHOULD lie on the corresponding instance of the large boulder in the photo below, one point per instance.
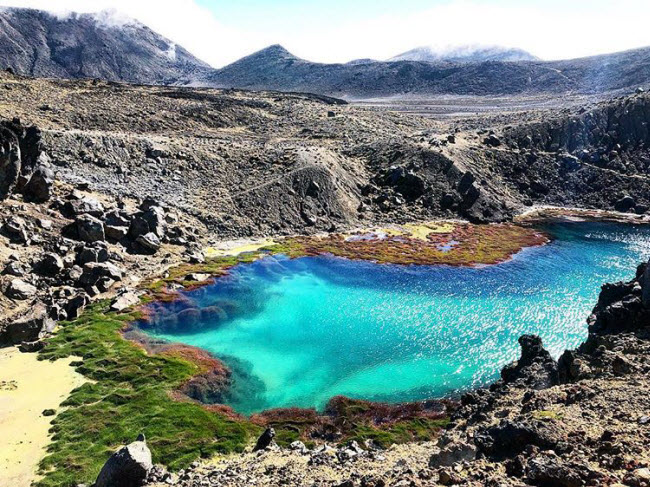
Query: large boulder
(90, 229)
(509, 438)
(83, 206)
(50, 265)
(20, 290)
(39, 187)
(29, 328)
(127, 467)
(93, 273)
(15, 228)
(75, 305)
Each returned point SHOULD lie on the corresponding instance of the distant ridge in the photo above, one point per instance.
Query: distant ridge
(275, 68)
(105, 45)
(465, 54)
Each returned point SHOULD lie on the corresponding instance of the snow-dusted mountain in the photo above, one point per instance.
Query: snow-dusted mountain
(459, 54)
(105, 45)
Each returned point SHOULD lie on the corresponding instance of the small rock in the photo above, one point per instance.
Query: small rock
(149, 242)
(125, 300)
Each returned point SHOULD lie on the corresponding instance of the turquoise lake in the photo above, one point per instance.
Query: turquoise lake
(298, 332)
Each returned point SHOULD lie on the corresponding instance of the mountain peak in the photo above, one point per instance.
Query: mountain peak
(106, 44)
(276, 51)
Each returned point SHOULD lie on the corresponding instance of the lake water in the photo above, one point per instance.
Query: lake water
(298, 332)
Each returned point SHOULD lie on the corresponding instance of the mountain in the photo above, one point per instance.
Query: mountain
(103, 45)
(275, 68)
(471, 54)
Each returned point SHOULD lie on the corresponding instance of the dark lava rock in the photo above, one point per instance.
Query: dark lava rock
(10, 162)
(94, 272)
(83, 206)
(510, 438)
(265, 439)
(39, 187)
(623, 306)
(549, 470)
(50, 265)
(27, 329)
(20, 290)
(90, 229)
(127, 467)
(149, 242)
(536, 368)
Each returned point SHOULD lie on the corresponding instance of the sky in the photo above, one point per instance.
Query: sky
(222, 31)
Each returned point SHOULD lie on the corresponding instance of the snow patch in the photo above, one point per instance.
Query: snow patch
(171, 52)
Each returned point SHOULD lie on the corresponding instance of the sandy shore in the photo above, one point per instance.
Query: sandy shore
(28, 387)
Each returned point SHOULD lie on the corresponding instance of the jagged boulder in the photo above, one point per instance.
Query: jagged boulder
(75, 305)
(454, 452)
(90, 229)
(84, 205)
(28, 328)
(15, 228)
(127, 467)
(265, 440)
(149, 242)
(623, 306)
(94, 273)
(536, 368)
(39, 187)
(50, 265)
(20, 290)
(509, 438)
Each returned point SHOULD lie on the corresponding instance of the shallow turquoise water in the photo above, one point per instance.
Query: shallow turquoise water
(298, 332)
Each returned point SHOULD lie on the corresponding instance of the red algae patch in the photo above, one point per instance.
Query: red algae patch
(459, 244)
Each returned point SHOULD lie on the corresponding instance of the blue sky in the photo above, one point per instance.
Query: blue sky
(221, 31)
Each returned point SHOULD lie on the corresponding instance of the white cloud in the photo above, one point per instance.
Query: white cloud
(578, 28)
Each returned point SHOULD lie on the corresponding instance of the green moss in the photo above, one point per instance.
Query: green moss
(418, 429)
(130, 394)
(545, 415)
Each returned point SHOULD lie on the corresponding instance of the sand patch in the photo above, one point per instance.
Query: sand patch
(28, 387)
(237, 247)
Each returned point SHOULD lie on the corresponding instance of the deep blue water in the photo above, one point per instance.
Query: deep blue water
(297, 332)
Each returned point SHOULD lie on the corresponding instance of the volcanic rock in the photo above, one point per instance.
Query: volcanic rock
(127, 467)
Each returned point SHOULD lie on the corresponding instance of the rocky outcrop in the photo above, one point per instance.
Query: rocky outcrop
(536, 369)
(127, 467)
